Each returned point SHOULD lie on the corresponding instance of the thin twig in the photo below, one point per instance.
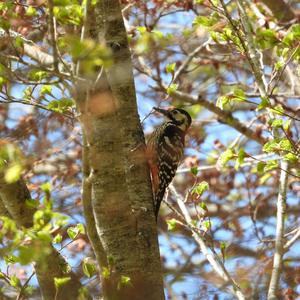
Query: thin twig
(292, 241)
(189, 59)
(53, 35)
(277, 76)
(24, 286)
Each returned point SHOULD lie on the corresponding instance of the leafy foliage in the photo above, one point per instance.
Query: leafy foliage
(190, 54)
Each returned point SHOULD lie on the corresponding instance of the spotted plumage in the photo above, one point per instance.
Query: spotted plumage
(165, 150)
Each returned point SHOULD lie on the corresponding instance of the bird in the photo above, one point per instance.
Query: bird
(165, 149)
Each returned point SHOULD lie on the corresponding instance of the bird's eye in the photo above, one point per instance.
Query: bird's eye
(175, 112)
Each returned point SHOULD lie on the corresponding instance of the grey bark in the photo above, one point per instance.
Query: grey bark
(121, 195)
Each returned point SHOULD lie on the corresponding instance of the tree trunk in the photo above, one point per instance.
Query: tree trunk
(117, 181)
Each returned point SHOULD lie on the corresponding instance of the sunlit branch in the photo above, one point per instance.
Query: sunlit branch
(249, 161)
(279, 241)
(189, 59)
(293, 240)
(32, 50)
(224, 116)
(212, 257)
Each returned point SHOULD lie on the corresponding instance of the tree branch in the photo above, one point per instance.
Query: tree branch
(224, 116)
(211, 256)
(279, 241)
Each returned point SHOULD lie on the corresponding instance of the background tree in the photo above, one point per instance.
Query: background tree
(230, 225)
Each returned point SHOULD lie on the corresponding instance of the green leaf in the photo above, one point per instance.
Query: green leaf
(57, 239)
(222, 101)
(270, 165)
(206, 224)
(278, 110)
(293, 35)
(88, 267)
(278, 65)
(27, 93)
(80, 228)
(2, 81)
(206, 21)
(269, 33)
(260, 167)
(141, 29)
(105, 272)
(241, 157)
(69, 14)
(171, 224)
(266, 38)
(158, 34)
(265, 102)
(111, 260)
(270, 146)
(26, 255)
(44, 235)
(203, 206)
(124, 281)
(285, 145)
(46, 89)
(11, 259)
(172, 88)
(19, 42)
(265, 178)
(13, 173)
(225, 157)
(223, 245)
(61, 2)
(216, 36)
(194, 171)
(61, 106)
(37, 75)
(59, 282)
(228, 33)
(291, 157)
(31, 203)
(200, 188)
(239, 93)
(287, 125)
(31, 11)
(14, 281)
(171, 68)
(72, 232)
(277, 123)
(46, 187)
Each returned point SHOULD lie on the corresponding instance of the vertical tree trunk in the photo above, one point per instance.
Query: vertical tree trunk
(121, 194)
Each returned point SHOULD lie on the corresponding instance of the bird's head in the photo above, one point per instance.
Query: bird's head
(178, 116)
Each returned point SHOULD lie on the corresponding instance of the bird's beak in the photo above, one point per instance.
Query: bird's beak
(162, 111)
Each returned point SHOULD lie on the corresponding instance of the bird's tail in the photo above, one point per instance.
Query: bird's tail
(158, 199)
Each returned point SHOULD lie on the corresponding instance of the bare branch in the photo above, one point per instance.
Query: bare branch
(293, 240)
(211, 256)
(189, 59)
(224, 116)
(279, 242)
